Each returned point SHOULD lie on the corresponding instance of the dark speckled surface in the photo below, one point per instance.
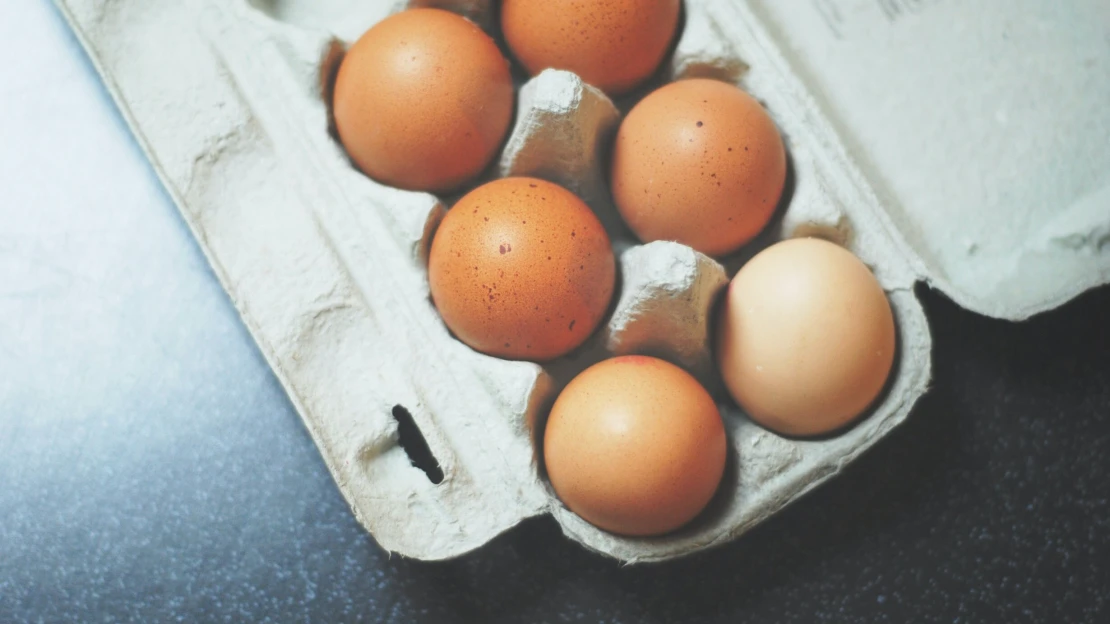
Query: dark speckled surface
(151, 469)
(990, 504)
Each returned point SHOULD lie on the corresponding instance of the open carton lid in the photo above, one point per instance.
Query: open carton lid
(982, 127)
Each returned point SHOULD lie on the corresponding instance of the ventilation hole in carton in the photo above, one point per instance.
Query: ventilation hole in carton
(416, 447)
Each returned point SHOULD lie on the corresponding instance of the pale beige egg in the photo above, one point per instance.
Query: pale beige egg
(806, 337)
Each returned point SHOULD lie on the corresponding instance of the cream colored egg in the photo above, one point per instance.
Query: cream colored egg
(806, 337)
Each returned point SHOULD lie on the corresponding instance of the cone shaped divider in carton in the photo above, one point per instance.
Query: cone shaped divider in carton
(328, 267)
(561, 129)
(665, 306)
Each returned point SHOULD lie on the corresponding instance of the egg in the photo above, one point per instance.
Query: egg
(423, 100)
(613, 45)
(806, 338)
(521, 268)
(635, 446)
(698, 162)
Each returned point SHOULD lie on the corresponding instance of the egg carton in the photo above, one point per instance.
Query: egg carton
(229, 99)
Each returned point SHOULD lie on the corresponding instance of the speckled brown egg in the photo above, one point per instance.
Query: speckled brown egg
(423, 100)
(699, 162)
(635, 445)
(806, 338)
(613, 45)
(521, 268)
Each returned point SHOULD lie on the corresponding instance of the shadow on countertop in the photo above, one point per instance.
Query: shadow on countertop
(197, 494)
(989, 502)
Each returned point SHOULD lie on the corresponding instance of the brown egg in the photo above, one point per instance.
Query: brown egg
(698, 162)
(613, 45)
(806, 337)
(521, 268)
(423, 100)
(634, 445)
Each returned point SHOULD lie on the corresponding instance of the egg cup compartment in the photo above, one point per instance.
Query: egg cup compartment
(328, 268)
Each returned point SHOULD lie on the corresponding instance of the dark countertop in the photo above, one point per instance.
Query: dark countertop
(151, 468)
(989, 504)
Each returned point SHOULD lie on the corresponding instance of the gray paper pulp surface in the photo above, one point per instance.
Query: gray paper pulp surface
(326, 266)
(992, 155)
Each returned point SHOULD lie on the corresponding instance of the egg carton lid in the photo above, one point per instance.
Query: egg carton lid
(983, 127)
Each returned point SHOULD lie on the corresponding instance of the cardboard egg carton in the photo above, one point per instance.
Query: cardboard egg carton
(229, 99)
